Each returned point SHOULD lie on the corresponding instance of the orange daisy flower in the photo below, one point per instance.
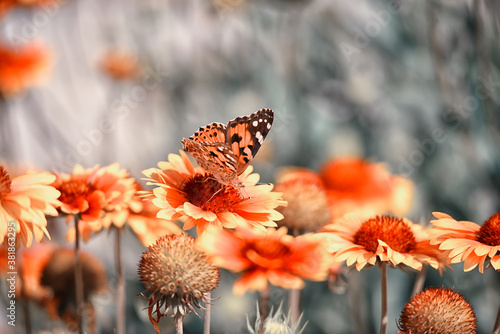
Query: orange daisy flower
(140, 216)
(394, 240)
(24, 202)
(93, 194)
(120, 65)
(22, 67)
(5, 6)
(354, 184)
(267, 256)
(468, 242)
(78, 195)
(189, 192)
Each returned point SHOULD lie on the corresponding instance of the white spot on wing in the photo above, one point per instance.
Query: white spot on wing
(255, 123)
(259, 137)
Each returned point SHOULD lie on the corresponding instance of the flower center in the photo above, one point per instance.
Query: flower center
(5, 183)
(72, 189)
(207, 193)
(391, 230)
(489, 233)
(268, 253)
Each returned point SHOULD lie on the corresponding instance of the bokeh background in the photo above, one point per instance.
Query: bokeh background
(414, 84)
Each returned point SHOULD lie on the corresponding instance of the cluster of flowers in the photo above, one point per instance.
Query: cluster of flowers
(349, 212)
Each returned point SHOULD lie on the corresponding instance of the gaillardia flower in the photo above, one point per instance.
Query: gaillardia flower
(22, 67)
(93, 193)
(437, 310)
(267, 256)
(307, 209)
(397, 241)
(189, 192)
(468, 242)
(177, 276)
(120, 65)
(356, 185)
(24, 202)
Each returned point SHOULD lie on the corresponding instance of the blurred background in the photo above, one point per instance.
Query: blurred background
(414, 84)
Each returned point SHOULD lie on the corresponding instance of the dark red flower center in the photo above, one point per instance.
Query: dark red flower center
(204, 191)
(73, 189)
(391, 230)
(268, 253)
(489, 233)
(5, 183)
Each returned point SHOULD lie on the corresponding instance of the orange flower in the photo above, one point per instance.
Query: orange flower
(5, 6)
(356, 185)
(140, 216)
(95, 193)
(185, 191)
(23, 67)
(397, 241)
(468, 242)
(78, 195)
(120, 65)
(267, 256)
(24, 202)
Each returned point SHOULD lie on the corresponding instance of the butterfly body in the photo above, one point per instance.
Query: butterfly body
(227, 150)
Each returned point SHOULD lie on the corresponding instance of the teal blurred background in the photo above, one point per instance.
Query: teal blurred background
(414, 84)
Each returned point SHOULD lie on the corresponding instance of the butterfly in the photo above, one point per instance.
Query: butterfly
(226, 150)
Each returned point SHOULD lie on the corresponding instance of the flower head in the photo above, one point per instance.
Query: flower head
(185, 191)
(307, 208)
(398, 241)
(269, 256)
(120, 65)
(468, 242)
(100, 196)
(58, 277)
(177, 275)
(23, 67)
(355, 185)
(24, 202)
(437, 310)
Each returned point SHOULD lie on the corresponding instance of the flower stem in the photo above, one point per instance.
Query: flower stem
(206, 314)
(383, 282)
(78, 277)
(264, 305)
(496, 328)
(419, 282)
(178, 324)
(24, 300)
(294, 298)
(120, 289)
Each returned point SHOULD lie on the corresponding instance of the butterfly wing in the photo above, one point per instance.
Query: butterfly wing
(245, 136)
(211, 133)
(209, 148)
